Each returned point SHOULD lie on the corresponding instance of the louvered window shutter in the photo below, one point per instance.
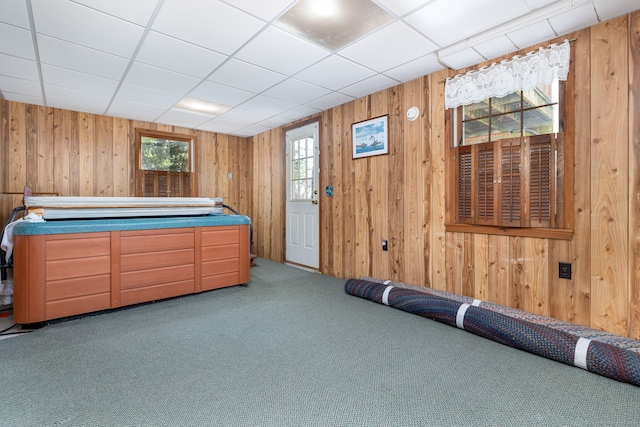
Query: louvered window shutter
(486, 188)
(464, 185)
(510, 182)
(163, 185)
(175, 183)
(166, 184)
(149, 182)
(186, 185)
(541, 167)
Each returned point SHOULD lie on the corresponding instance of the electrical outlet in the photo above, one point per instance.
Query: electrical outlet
(564, 270)
(385, 245)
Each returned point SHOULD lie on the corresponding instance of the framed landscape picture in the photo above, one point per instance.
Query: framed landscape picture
(371, 137)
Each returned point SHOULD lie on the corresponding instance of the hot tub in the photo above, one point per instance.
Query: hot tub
(70, 267)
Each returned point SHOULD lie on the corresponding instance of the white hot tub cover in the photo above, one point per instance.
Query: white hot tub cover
(78, 207)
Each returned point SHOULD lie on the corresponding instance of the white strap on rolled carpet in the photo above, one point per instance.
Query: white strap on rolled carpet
(385, 295)
(460, 316)
(580, 358)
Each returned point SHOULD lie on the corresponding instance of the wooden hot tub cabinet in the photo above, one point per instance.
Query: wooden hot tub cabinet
(104, 264)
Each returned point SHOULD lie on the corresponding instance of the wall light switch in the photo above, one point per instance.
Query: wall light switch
(229, 175)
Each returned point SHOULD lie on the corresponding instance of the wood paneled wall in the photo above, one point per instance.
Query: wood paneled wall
(79, 154)
(400, 197)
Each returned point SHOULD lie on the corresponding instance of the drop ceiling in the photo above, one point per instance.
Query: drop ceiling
(139, 59)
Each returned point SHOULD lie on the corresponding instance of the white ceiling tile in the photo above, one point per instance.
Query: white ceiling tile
(21, 42)
(299, 112)
(266, 10)
(138, 11)
(574, 19)
(14, 12)
(238, 118)
(417, 68)
(62, 77)
(532, 34)
(537, 4)
(495, 47)
(281, 52)
(26, 99)
(72, 56)
(253, 129)
(160, 99)
(134, 110)
(401, 7)
(324, 73)
(20, 86)
(87, 27)
(21, 68)
(609, 9)
(67, 105)
(462, 58)
(57, 95)
(160, 79)
(383, 49)
(217, 127)
(207, 23)
(446, 25)
(220, 94)
(246, 117)
(369, 86)
(296, 91)
(274, 122)
(329, 101)
(268, 105)
(172, 54)
(240, 74)
(183, 118)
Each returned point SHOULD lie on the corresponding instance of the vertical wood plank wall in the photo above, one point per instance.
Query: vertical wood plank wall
(610, 177)
(79, 154)
(399, 197)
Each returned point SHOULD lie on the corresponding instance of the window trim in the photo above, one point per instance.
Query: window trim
(546, 233)
(139, 172)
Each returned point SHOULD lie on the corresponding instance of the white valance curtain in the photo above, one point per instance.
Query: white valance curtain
(539, 67)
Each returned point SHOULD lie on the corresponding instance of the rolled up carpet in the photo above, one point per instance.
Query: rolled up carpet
(600, 358)
(571, 328)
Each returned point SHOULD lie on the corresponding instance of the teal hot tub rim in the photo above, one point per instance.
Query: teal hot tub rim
(25, 228)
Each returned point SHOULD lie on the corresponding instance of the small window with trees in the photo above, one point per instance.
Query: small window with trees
(165, 164)
(509, 168)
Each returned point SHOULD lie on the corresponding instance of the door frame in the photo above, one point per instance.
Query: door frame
(311, 121)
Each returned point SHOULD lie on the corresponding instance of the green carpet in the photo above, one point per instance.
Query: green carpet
(290, 349)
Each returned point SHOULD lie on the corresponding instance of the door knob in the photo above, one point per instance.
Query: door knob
(315, 202)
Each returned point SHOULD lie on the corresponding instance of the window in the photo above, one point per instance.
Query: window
(164, 164)
(506, 164)
(302, 164)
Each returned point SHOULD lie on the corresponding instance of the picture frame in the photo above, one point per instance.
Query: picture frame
(370, 137)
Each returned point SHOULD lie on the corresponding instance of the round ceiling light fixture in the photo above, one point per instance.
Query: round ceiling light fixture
(413, 113)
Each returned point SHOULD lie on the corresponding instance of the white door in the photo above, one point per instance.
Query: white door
(303, 219)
